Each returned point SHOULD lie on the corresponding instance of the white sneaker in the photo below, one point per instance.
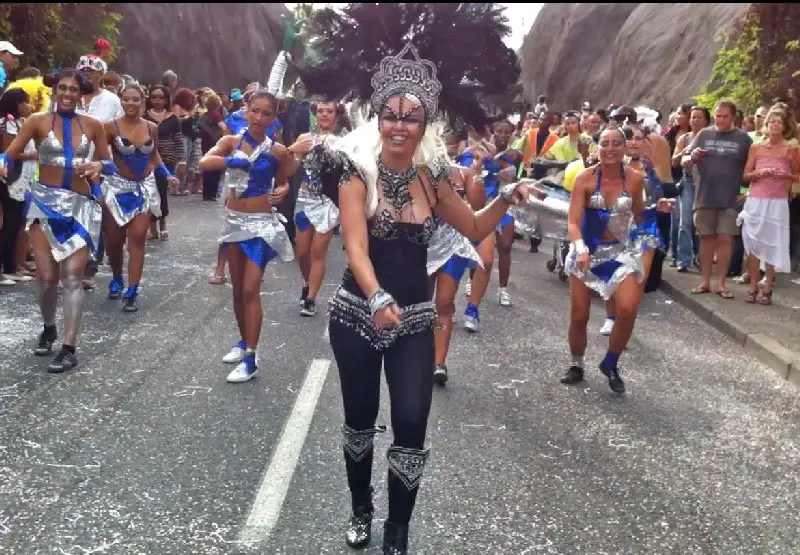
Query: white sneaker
(17, 277)
(503, 297)
(236, 353)
(608, 326)
(7, 281)
(245, 371)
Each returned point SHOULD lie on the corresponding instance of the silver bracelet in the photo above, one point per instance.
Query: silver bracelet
(580, 247)
(380, 300)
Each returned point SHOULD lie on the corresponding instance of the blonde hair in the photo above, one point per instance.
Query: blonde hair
(363, 146)
(787, 118)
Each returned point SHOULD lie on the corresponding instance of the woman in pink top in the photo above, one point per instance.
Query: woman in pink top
(772, 166)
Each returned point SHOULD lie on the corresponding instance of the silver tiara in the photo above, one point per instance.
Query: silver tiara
(413, 76)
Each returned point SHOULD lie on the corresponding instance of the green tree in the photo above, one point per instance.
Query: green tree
(56, 34)
(759, 61)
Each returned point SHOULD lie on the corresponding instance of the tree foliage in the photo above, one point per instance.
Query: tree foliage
(464, 41)
(57, 34)
(759, 61)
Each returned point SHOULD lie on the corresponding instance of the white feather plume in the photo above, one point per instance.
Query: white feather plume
(275, 82)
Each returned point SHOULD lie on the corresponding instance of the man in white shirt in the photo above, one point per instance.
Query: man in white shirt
(104, 106)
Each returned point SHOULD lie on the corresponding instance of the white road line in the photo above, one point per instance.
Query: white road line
(273, 488)
(327, 335)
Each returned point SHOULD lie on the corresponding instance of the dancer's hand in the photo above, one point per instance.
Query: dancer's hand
(665, 205)
(278, 194)
(3, 172)
(582, 263)
(515, 193)
(173, 181)
(89, 170)
(302, 145)
(387, 317)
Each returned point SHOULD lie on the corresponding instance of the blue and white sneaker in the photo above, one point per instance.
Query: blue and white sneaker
(246, 370)
(472, 319)
(236, 353)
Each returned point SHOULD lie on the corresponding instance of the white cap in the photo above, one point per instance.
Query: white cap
(6, 46)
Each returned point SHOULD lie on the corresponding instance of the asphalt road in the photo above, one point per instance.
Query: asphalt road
(145, 449)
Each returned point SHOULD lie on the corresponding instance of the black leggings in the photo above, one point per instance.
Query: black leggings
(409, 375)
(13, 220)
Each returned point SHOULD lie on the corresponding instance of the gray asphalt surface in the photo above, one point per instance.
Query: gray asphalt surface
(145, 449)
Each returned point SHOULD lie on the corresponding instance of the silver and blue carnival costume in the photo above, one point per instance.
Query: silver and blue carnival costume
(127, 198)
(69, 220)
(313, 208)
(613, 261)
(449, 251)
(261, 236)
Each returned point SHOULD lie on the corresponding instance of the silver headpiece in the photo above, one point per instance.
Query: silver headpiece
(415, 77)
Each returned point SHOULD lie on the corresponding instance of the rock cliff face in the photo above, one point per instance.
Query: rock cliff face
(217, 45)
(654, 54)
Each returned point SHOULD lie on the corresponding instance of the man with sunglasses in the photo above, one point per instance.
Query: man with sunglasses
(104, 106)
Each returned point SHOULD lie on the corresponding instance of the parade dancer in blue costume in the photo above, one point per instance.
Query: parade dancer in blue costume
(316, 215)
(449, 276)
(252, 231)
(63, 207)
(131, 195)
(497, 170)
(613, 240)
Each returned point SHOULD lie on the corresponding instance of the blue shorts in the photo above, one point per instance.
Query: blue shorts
(507, 220)
(301, 221)
(456, 266)
(256, 249)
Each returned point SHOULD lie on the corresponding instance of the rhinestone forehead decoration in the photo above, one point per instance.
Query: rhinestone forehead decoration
(413, 76)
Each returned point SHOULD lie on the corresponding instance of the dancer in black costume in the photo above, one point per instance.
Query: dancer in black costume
(393, 178)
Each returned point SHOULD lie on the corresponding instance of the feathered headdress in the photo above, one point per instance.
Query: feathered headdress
(353, 43)
(102, 47)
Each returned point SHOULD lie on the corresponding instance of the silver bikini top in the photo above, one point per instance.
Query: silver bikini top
(52, 152)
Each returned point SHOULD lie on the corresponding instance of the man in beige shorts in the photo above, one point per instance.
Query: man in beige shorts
(718, 154)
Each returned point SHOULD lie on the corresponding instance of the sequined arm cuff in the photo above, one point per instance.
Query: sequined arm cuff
(5, 160)
(109, 167)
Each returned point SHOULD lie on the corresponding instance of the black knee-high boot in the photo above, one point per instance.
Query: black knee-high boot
(406, 466)
(358, 454)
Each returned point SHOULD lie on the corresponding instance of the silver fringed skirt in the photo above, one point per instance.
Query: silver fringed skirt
(126, 198)
(315, 211)
(260, 236)
(446, 243)
(69, 220)
(611, 263)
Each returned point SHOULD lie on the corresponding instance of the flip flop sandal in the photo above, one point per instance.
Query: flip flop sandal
(750, 298)
(765, 299)
(700, 290)
(725, 294)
